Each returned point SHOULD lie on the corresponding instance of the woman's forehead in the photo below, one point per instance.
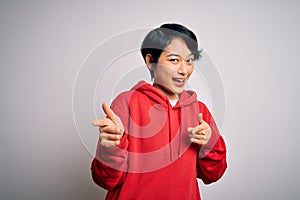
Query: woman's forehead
(179, 47)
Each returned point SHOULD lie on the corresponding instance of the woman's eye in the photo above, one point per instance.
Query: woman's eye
(190, 60)
(174, 60)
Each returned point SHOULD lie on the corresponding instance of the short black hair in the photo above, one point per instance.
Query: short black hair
(158, 39)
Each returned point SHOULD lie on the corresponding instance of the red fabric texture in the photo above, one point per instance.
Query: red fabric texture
(155, 159)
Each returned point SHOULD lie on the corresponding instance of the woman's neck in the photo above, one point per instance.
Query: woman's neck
(168, 93)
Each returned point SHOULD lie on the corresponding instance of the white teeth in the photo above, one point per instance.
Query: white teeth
(178, 80)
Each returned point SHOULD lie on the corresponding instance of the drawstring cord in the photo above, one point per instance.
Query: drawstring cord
(170, 133)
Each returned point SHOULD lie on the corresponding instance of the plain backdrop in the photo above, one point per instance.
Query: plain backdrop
(254, 44)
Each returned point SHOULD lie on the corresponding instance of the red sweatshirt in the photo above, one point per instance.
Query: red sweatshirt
(155, 159)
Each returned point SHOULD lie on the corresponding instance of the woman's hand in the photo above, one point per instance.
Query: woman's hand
(111, 128)
(200, 134)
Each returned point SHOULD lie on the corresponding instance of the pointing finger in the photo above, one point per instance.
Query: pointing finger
(193, 130)
(190, 129)
(101, 122)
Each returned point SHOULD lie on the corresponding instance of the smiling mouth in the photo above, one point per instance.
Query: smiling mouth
(179, 81)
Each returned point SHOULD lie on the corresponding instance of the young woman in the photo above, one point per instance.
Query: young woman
(157, 139)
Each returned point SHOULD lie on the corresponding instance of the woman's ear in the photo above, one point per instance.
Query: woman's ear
(149, 61)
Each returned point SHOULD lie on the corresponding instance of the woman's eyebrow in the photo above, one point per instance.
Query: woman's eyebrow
(174, 54)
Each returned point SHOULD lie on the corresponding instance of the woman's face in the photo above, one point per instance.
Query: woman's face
(174, 67)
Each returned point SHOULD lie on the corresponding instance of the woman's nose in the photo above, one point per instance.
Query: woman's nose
(182, 69)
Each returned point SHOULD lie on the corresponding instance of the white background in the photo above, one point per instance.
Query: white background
(254, 45)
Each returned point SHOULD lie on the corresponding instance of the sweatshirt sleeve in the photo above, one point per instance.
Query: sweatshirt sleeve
(212, 156)
(109, 166)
